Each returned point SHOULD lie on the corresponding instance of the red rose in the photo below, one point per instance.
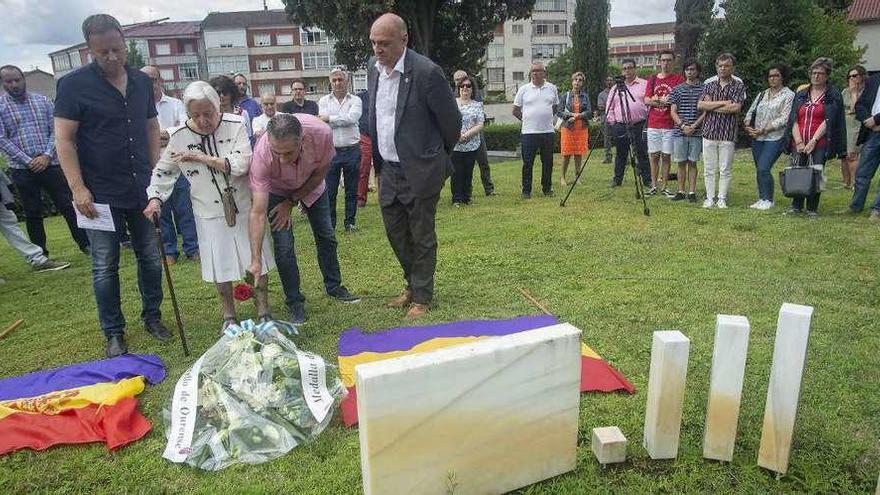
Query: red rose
(242, 292)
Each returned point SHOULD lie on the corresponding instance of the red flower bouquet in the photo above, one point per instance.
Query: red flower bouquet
(242, 292)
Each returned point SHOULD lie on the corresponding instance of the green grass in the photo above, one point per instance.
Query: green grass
(598, 263)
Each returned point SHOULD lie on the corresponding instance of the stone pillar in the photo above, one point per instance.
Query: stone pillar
(669, 359)
(725, 388)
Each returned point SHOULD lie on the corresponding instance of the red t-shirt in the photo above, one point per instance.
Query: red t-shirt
(661, 117)
(810, 117)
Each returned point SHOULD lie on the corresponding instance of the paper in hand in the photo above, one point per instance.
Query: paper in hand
(104, 220)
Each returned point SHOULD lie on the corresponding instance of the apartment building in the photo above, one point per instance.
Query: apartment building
(641, 43)
(866, 15)
(171, 46)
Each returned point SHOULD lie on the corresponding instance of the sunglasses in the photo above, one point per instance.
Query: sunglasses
(465, 86)
(666, 60)
(851, 76)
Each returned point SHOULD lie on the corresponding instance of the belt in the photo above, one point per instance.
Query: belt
(348, 148)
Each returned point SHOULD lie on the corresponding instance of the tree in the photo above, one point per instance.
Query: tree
(840, 6)
(692, 18)
(757, 28)
(134, 60)
(589, 38)
(560, 69)
(453, 33)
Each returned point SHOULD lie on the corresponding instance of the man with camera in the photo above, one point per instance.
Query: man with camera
(626, 114)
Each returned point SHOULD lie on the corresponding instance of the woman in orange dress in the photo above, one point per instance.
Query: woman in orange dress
(575, 112)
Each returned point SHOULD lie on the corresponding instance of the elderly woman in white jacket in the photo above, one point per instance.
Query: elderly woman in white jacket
(214, 153)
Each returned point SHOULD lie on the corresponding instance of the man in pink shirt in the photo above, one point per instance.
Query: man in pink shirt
(288, 168)
(617, 117)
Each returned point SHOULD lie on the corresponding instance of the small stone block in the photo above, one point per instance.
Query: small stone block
(609, 445)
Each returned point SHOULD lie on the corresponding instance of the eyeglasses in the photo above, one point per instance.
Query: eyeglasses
(851, 76)
(467, 85)
(774, 75)
(666, 60)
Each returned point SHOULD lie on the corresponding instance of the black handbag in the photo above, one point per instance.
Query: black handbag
(800, 179)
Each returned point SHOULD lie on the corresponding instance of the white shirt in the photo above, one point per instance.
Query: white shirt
(171, 111)
(344, 118)
(386, 109)
(260, 122)
(537, 107)
(875, 108)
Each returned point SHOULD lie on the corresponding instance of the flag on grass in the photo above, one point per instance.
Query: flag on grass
(81, 403)
(357, 347)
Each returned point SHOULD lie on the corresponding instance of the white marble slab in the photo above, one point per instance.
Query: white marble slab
(609, 445)
(669, 359)
(783, 393)
(725, 386)
(486, 417)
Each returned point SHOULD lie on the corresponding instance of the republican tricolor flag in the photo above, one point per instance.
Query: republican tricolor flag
(357, 347)
(81, 403)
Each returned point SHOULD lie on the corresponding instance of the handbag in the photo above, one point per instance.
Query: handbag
(800, 179)
(559, 121)
(755, 113)
(227, 197)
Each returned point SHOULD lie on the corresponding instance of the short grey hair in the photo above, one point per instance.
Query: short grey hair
(284, 126)
(100, 24)
(339, 69)
(825, 63)
(200, 90)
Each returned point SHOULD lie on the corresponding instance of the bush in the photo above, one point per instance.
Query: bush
(507, 137)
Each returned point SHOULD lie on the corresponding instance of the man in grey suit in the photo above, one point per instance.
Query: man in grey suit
(414, 124)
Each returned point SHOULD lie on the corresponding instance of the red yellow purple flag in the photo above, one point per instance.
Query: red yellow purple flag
(81, 403)
(357, 347)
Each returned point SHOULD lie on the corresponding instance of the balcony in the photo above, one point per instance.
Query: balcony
(188, 58)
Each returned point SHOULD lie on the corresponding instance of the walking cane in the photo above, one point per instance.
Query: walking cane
(170, 285)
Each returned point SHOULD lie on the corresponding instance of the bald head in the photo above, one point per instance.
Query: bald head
(388, 36)
(155, 76)
(267, 103)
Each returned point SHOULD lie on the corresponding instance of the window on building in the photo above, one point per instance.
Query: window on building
(264, 65)
(359, 82)
(494, 75)
(188, 72)
(189, 48)
(312, 36)
(549, 28)
(518, 53)
(519, 76)
(267, 89)
(318, 60)
(547, 50)
(495, 52)
(167, 74)
(284, 39)
(227, 65)
(286, 64)
(262, 39)
(61, 62)
(312, 89)
(549, 6)
(286, 90)
(516, 29)
(162, 49)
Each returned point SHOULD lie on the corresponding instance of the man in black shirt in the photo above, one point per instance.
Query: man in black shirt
(299, 104)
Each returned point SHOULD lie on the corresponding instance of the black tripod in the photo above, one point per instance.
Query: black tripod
(623, 95)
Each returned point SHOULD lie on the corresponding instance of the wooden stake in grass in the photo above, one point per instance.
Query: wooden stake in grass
(11, 328)
(528, 295)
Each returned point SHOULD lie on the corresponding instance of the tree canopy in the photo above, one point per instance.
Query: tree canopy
(692, 18)
(589, 37)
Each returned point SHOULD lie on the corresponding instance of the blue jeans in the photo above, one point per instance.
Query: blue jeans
(105, 270)
(868, 161)
(765, 154)
(180, 204)
(325, 244)
(347, 161)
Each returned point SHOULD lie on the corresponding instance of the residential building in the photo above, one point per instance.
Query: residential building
(543, 37)
(170, 46)
(38, 81)
(866, 15)
(641, 43)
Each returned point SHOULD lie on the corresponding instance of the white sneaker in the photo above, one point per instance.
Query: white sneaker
(722, 204)
(757, 204)
(708, 203)
(766, 205)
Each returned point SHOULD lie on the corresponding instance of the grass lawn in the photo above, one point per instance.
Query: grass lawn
(598, 263)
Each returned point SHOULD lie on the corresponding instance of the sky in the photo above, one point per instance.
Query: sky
(34, 29)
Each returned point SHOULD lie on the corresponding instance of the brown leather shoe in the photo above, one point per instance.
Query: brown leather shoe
(171, 260)
(402, 300)
(416, 311)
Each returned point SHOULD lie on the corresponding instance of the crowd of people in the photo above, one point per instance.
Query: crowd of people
(218, 167)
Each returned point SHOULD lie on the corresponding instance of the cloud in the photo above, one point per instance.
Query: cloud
(627, 12)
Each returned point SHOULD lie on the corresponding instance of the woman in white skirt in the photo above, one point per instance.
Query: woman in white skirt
(214, 153)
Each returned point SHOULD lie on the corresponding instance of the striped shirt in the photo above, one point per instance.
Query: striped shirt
(685, 97)
(26, 129)
(722, 126)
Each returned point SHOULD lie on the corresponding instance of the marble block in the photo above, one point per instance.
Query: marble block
(485, 417)
(783, 393)
(725, 386)
(669, 359)
(609, 445)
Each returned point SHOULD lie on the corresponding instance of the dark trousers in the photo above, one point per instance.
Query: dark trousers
(347, 163)
(533, 144)
(325, 244)
(409, 225)
(483, 162)
(105, 270)
(607, 141)
(30, 185)
(177, 218)
(463, 175)
(623, 140)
